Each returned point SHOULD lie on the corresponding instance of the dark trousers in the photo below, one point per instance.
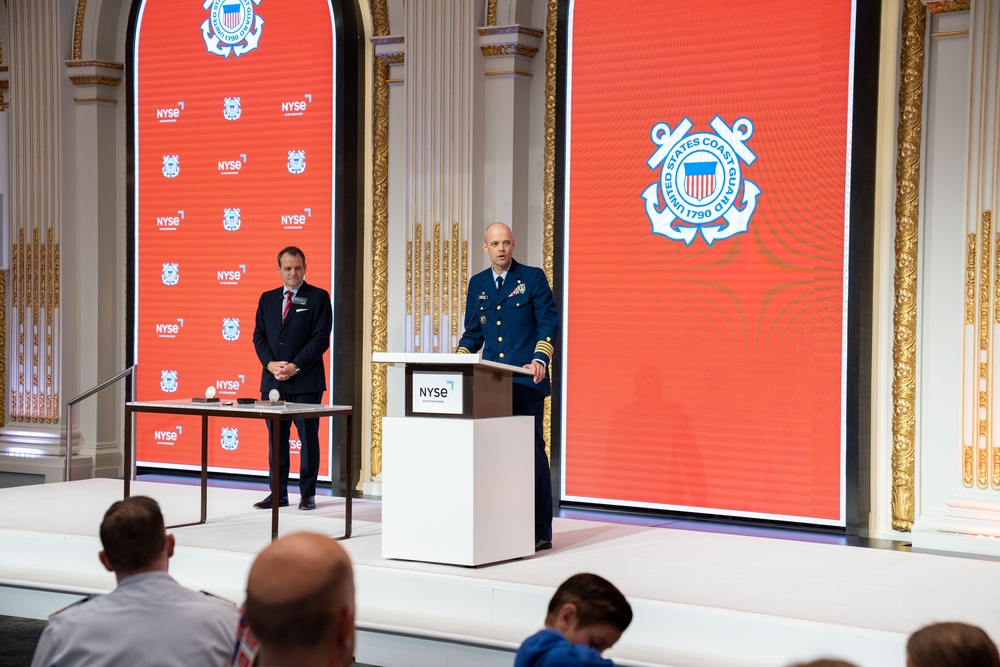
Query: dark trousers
(531, 403)
(308, 430)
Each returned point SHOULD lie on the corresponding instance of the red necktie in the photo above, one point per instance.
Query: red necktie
(288, 305)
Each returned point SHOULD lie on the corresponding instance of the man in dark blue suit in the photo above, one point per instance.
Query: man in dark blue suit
(511, 315)
(291, 333)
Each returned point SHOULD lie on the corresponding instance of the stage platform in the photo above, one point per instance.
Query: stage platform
(700, 598)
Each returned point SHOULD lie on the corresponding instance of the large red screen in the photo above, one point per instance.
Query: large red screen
(233, 120)
(706, 234)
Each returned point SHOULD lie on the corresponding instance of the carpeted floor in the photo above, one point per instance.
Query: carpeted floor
(18, 637)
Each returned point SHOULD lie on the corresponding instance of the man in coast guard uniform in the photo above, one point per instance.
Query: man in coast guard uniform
(511, 315)
(149, 619)
(291, 333)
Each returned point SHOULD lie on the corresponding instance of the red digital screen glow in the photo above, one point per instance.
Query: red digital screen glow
(234, 145)
(706, 236)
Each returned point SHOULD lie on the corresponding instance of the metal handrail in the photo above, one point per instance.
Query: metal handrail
(87, 394)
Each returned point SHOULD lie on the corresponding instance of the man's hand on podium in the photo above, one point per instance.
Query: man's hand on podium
(538, 368)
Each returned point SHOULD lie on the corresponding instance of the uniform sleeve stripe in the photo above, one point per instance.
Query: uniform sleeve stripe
(462, 350)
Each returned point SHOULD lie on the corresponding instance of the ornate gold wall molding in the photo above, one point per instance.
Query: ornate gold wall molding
(490, 50)
(510, 30)
(947, 6)
(983, 413)
(81, 11)
(904, 351)
(549, 177)
(380, 231)
(491, 12)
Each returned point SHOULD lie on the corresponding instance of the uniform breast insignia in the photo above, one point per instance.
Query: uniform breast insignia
(700, 180)
(482, 319)
(520, 289)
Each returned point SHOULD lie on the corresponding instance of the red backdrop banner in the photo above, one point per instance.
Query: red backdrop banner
(234, 117)
(706, 241)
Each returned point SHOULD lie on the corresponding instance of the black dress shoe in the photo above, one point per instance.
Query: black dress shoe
(542, 545)
(307, 503)
(266, 503)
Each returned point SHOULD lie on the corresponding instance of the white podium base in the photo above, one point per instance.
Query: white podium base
(458, 491)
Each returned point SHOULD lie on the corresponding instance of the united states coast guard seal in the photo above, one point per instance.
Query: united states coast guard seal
(700, 179)
(233, 25)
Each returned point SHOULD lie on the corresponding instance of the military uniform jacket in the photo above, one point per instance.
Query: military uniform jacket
(149, 619)
(516, 326)
(301, 339)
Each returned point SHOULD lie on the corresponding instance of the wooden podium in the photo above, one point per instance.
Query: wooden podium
(458, 469)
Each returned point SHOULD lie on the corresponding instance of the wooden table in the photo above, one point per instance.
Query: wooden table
(274, 414)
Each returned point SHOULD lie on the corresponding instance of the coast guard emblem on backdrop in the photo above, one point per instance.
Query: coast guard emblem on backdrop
(168, 381)
(171, 274)
(171, 166)
(231, 219)
(230, 440)
(296, 162)
(230, 328)
(700, 181)
(231, 27)
(231, 109)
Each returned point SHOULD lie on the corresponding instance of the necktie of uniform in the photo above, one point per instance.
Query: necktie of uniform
(288, 305)
(499, 283)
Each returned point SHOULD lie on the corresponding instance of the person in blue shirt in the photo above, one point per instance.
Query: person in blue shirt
(585, 617)
(511, 315)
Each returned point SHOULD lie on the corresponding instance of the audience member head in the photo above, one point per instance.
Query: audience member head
(300, 602)
(951, 645)
(134, 538)
(588, 609)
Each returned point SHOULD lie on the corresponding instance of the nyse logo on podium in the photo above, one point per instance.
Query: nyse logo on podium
(437, 393)
(700, 181)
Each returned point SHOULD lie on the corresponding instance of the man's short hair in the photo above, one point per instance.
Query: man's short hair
(303, 621)
(596, 599)
(133, 534)
(294, 251)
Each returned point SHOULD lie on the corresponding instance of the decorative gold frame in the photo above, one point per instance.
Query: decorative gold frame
(904, 349)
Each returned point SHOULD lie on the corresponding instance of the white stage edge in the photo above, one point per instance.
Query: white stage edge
(699, 598)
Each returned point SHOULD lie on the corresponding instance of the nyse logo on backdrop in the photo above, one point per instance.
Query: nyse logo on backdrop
(295, 220)
(168, 381)
(231, 27)
(169, 329)
(231, 219)
(171, 274)
(230, 439)
(231, 109)
(294, 446)
(700, 181)
(169, 223)
(296, 107)
(231, 276)
(171, 166)
(296, 162)
(168, 437)
(170, 114)
(230, 386)
(232, 167)
(230, 328)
